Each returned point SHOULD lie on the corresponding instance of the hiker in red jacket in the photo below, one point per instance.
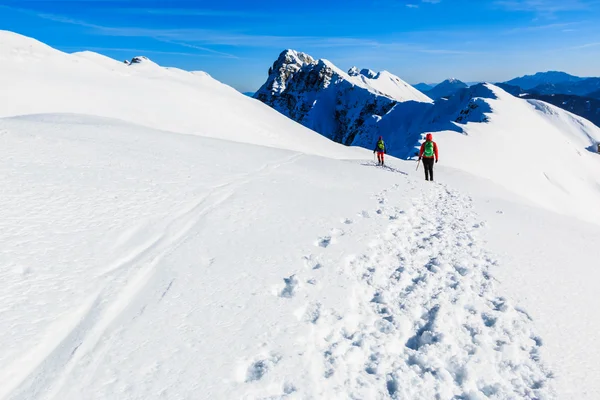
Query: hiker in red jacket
(429, 153)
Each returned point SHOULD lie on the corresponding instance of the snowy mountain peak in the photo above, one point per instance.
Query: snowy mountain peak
(290, 56)
(142, 60)
(368, 73)
(287, 64)
(446, 88)
(354, 71)
(341, 106)
(424, 87)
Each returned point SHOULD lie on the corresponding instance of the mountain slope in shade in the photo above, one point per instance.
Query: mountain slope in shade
(595, 95)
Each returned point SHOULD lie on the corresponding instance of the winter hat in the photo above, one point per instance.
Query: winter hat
(429, 137)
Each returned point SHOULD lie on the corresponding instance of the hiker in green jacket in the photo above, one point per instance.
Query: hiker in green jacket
(429, 153)
(380, 150)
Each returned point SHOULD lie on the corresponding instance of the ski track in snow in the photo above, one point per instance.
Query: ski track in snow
(83, 338)
(426, 321)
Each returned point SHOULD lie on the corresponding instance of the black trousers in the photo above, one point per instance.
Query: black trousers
(428, 167)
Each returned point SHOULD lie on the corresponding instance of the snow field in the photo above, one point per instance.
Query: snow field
(139, 263)
(419, 324)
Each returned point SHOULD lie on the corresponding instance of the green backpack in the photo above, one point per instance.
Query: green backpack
(429, 151)
(380, 145)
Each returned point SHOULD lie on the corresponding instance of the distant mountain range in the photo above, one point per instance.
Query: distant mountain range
(424, 87)
(585, 87)
(578, 95)
(554, 82)
(446, 89)
(528, 82)
(581, 96)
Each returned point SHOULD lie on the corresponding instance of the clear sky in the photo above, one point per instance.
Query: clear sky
(237, 40)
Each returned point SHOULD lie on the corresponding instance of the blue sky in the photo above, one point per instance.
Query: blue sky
(237, 40)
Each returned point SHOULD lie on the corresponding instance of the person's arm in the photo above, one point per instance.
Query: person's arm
(422, 151)
(435, 149)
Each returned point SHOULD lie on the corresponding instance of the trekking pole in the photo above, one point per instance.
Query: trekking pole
(418, 162)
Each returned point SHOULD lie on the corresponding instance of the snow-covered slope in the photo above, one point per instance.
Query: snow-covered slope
(586, 107)
(343, 107)
(386, 83)
(146, 264)
(140, 263)
(38, 79)
(513, 142)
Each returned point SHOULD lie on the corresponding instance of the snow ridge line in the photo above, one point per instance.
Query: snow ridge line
(85, 340)
(438, 330)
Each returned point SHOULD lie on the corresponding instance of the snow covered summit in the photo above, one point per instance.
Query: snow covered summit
(446, 88)
(142, 93)
(340, 106)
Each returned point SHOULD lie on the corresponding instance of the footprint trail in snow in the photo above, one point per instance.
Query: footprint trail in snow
(425, 320)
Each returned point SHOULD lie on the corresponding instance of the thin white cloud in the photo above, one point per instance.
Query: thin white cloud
(587, 45)
(448, 52)
(545, 7)
(191, 12)
(203, 39)
(130, 51)
(537, 28)
(415, 5)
